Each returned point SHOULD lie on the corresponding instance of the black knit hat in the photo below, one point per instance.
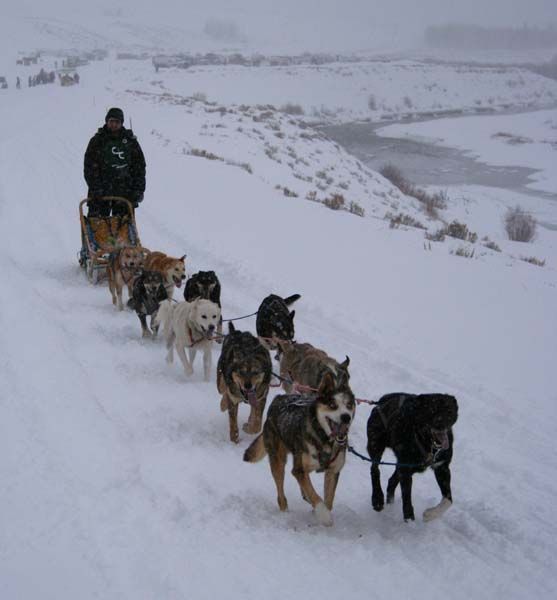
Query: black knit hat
(115, 113)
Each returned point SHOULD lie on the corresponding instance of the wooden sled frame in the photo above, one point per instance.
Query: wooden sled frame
(96, 258)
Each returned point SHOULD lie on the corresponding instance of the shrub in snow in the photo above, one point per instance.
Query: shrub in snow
(287, 192)
(204, 154)
(436, 236)
(457, 230)
(431, 203)
(395, 221)
(312, 195)
(519, 225)
(492, 245)
(395, 176)
(464, 252)
(356, 209)
(533, 260)
(200, 96)
(335, 202)
(292, 109)
(372, 102)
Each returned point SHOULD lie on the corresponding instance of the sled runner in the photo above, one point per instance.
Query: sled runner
(102, 235)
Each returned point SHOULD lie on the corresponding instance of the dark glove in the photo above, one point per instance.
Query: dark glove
(137, 197)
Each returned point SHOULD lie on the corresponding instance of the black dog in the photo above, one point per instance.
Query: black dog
(418, 430)
(204, 284)
(274, 320)
(147, 294)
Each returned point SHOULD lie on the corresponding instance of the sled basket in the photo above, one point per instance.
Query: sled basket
(102, 235)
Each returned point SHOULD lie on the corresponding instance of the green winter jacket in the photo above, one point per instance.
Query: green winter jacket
(114, 165)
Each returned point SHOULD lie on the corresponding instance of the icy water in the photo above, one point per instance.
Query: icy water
(423, 163)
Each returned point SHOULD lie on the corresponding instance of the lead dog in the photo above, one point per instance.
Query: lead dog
(243, 375)
(189, 325)
(314, 429)
(418, 428)
(123, 266)
(172, 269)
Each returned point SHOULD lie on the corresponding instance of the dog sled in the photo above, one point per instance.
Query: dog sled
(100, 236)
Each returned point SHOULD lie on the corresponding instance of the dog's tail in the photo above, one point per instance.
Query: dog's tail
(256, 450)
(291, 299)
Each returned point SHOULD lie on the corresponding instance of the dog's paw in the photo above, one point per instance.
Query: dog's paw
(408, 516)
(436, 511)
(323, 515)
(378, 501)
(188, 371)
(146, 334)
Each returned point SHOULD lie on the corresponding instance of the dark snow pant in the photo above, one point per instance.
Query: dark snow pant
(99, 208)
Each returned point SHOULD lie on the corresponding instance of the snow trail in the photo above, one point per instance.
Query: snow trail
(118, 478)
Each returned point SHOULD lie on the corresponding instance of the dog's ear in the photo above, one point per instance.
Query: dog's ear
(344, 365)
(183, 257)
(327, 385)
(282, 344)
(145, 251)
(231, 328)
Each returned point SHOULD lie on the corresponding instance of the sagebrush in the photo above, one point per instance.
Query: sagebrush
(520, 225)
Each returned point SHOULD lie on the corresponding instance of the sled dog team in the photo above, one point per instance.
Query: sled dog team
(312, 419)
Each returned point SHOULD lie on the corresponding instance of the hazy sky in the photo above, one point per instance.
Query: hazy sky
(331, 23)
(419, 11)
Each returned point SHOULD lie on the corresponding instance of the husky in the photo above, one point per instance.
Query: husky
(314, 429)
(418, 428)
(189, 325)
(306, 365)
(243, 375)
(123, 266)
(147, 294)
(274, 320)
(204, 284)
(173, 270)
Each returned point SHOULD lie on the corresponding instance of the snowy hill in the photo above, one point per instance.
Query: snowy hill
(118, 478)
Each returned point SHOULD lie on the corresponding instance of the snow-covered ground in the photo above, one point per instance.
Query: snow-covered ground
(118, 480)
(379, 89)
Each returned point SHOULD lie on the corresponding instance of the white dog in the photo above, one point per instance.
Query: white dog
(189, 325)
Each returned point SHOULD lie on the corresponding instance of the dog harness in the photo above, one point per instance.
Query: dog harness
(386, 420)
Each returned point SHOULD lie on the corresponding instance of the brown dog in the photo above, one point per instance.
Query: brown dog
(124, 265)
(173, 270)
(307, 365)
(243, 375)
